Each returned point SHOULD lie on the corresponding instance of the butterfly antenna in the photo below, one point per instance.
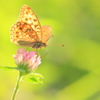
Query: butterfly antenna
(52, 35)
(57, 44)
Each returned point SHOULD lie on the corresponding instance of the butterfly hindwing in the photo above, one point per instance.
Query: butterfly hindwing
(46, 31)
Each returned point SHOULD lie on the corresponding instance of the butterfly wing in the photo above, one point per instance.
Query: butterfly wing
(27, 29)
(21, 31)
(28, 16)
(46, 33)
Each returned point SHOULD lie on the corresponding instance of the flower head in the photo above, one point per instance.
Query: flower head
(27, 60)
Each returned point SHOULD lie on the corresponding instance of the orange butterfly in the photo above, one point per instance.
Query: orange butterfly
(28, 32)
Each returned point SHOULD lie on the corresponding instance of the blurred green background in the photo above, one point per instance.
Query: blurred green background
(71, 72)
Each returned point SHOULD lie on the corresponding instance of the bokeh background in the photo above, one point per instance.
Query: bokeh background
(71, 72)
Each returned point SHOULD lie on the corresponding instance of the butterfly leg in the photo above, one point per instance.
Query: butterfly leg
(46, 53)
(37, 52)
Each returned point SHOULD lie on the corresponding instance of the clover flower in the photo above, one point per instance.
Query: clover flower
(27, 60)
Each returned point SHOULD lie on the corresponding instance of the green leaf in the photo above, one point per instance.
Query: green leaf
(37, 75)
(7, 68)
(10, 68)
(34, 78)
(19, 69)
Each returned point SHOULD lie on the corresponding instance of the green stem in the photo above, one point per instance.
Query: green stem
(16, 87)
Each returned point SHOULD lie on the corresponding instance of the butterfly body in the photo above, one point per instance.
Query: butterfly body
(35, 45)
(38, 45)
(28, 32)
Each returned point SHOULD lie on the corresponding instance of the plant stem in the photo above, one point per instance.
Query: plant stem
(16, 87)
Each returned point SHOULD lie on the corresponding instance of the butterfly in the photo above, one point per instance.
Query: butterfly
(28, 32)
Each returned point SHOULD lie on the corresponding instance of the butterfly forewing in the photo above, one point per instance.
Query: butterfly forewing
(28, 16)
